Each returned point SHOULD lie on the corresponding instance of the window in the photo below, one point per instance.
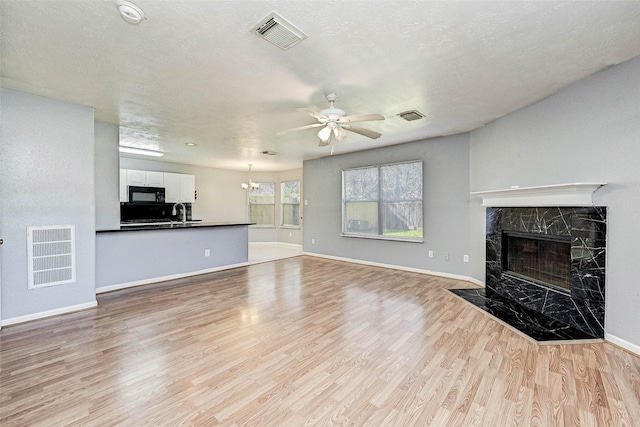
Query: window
(383, 201)
(290, 196)
(262, 204)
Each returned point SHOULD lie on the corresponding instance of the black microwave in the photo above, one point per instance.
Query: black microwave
(144, 195)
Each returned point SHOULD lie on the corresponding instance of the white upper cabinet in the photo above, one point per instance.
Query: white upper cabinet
(144, 178)
(179, 188)
(187, 188)
(155, 179)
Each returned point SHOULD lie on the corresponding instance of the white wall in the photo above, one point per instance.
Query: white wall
(588, 132)
(46, 178)
(446, 208)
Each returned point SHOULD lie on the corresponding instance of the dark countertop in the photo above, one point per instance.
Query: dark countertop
(169, 226)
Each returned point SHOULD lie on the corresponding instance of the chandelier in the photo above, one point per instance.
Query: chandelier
(250, 185)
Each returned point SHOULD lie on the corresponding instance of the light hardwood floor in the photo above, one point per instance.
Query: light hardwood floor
(303, 341)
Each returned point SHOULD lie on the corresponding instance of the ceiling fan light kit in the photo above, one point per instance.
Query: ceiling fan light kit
(334, 122)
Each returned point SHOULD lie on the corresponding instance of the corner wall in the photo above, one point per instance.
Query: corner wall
(46, 178)
(588, 132)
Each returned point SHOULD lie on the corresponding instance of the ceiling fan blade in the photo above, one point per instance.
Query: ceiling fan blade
(360, 118)
(284, 132)
(362, 131)
(313, 113)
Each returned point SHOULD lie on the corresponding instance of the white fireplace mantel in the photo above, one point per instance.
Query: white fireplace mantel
(575, 194)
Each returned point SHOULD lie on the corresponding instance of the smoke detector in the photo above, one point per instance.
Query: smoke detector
(277, 30)
(130, 12)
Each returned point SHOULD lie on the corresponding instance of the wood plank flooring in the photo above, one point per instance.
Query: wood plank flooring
(303, 341)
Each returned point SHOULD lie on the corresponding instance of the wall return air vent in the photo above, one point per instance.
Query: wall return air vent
(51, 255)
(277, 30)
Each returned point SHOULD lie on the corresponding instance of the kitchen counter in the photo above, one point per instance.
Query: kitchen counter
(137, 254)
(169, 226)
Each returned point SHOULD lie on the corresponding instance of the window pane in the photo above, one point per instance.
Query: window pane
(291, 215)
(402, 219)
(402, 200)
(262, 204)
(290, 192)
(361, 217)
(361, 184)
(402, 182)
(290, 195)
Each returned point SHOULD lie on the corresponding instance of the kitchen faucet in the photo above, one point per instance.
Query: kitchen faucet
(184, 211)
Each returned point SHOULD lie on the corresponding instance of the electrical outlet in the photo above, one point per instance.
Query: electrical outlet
(313, 241)
(465, 258)
(306, 202)
(290, 234)
(430, 254)
(207, 252)
(446, 256)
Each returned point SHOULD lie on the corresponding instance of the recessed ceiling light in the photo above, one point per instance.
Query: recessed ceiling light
(190, 144)
(130, 12)
(141, 151)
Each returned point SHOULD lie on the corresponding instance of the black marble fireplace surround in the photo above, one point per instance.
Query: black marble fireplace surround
(544, 311)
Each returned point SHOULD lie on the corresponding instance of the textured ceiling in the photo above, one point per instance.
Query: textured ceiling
(194, 72)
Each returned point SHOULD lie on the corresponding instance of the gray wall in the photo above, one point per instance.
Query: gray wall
(446, 207)
(588, 132)
(123, 257)
(107, 175)
(47, 178)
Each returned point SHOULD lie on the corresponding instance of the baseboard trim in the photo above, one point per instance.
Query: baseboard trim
(624, 344)
(49, 313)
(399, 267)
(293, 245)
(111, 288)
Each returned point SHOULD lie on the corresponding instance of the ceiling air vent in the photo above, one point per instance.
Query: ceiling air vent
(279, 31)
(411, 115)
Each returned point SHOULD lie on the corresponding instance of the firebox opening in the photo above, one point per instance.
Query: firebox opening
(542, 258)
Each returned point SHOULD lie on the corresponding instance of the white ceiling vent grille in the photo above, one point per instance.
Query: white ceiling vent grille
(411, 115)
(277, 30)
(51, 255)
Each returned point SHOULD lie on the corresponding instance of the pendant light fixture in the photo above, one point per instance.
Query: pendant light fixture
(250, 185)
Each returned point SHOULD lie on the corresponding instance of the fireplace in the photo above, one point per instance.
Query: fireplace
(545, 270)
(542, 258)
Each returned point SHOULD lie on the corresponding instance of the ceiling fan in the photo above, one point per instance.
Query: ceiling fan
(334, 122)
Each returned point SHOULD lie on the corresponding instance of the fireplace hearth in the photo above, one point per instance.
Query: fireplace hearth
(545, 269)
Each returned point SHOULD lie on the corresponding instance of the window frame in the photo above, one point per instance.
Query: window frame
(380, 202)
(273, 205)
(282, 204)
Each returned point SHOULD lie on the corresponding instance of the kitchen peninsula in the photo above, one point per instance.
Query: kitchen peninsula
(135, 255)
